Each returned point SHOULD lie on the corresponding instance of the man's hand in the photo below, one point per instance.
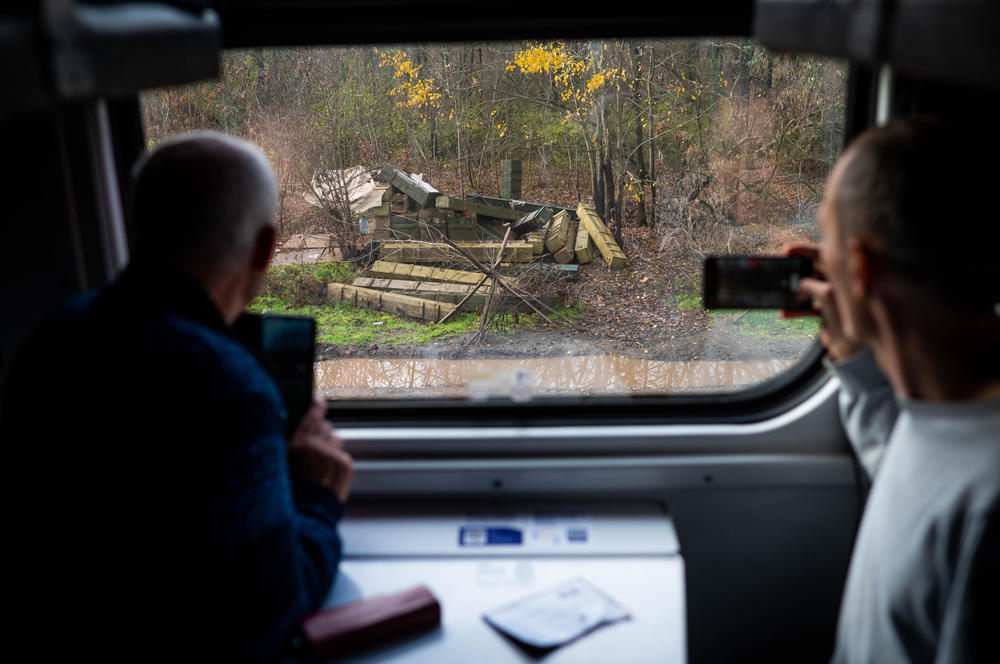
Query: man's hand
(820, 292)
(316, 453)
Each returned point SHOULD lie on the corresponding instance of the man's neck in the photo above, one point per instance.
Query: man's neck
(227, 292)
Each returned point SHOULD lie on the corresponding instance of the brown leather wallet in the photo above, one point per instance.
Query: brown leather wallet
(368, 622)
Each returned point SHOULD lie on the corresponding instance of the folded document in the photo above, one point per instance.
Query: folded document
(556, 615)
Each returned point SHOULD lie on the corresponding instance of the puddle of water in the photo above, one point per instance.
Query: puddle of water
(524, 377)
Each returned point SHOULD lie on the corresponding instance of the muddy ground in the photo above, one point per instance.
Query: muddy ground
(718, 339)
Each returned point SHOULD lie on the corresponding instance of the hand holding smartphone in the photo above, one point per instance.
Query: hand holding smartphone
(794, 283)
(756, 282)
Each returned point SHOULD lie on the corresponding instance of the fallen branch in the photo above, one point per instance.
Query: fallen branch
(498, 278)
(479, 285)
(488, 304)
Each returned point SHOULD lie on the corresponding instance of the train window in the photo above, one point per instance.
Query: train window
(559, 196)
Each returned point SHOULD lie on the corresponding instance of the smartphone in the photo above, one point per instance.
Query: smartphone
(754, 282)
(286, 347)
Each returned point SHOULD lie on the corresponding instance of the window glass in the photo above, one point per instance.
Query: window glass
(611, 168)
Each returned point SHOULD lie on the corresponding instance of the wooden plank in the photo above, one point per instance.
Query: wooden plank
(393, 284)
(430, 252)
(460, 205)
(392, 270)
(582, 247)
(502, 301)
(612, 253)
(395, 303)
(420, 192)
(516, 252)
(445, 292)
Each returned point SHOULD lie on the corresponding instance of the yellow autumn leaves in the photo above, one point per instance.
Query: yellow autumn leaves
(577, 79)
(412, 90)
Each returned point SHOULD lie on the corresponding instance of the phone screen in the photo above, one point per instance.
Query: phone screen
(285, 346)
(288, 346)
(754, 282)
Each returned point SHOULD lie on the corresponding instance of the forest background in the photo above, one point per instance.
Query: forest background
(685, 148)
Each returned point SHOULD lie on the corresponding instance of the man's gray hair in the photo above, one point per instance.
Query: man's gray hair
(199, 200)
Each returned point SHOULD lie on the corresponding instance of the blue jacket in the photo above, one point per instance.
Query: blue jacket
(152, 447)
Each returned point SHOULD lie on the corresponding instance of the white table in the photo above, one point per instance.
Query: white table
(629, 551)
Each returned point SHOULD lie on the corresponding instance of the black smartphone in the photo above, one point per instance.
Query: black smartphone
(286, 347)
(754, 282)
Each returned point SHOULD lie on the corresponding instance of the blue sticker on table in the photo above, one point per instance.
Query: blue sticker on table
(488, 536)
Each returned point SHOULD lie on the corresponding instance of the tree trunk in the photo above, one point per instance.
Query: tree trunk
(608, 182)
(652, 142)
(596, 181)
(639, 159)
(434, 138)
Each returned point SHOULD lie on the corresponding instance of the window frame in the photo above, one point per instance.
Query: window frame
(268, 23)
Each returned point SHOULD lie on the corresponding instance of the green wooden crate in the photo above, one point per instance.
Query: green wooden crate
(511, 186)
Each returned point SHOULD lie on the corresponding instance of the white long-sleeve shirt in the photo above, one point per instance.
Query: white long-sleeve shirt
(923, 580)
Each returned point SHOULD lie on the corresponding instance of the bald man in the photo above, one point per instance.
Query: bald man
(174, 519)
(908, 294)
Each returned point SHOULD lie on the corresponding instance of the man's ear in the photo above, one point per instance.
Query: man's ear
(263, 247)
(862, 267)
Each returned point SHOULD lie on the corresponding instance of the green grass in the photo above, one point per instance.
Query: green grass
(760, 323)
(688, 301)
(301, 290)
(573, 312)
(343, 324)
(757, 323)
(288, 287)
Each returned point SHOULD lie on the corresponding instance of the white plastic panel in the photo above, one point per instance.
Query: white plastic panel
(571, 529)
